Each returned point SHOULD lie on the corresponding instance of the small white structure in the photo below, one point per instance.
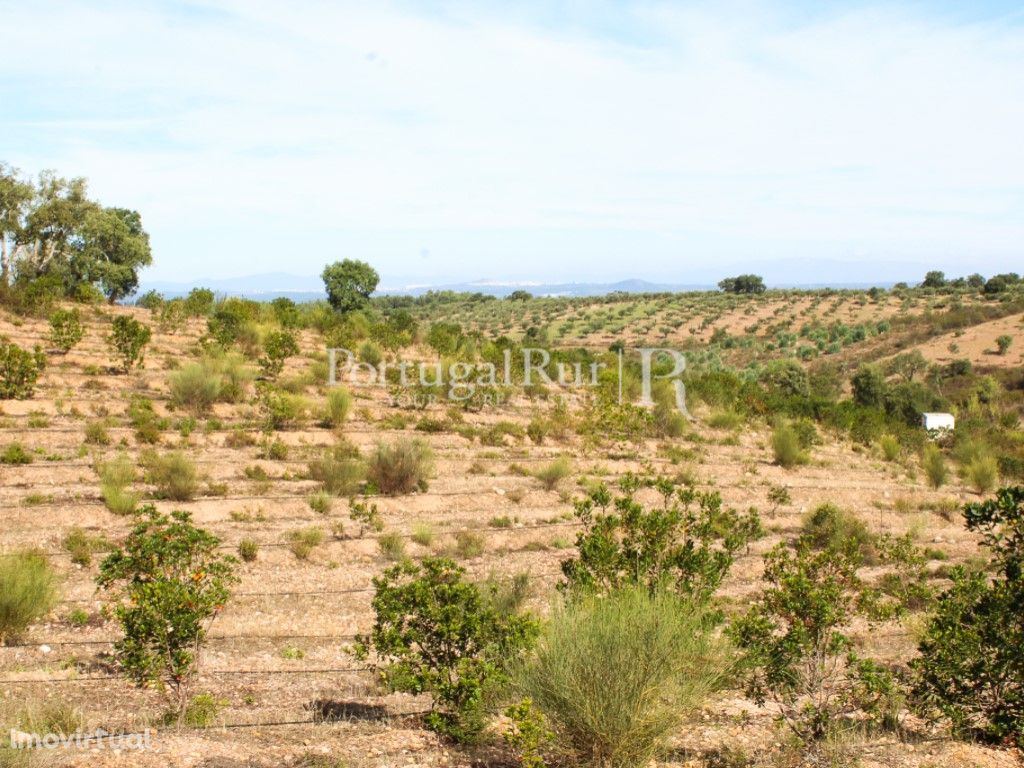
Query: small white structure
(938, 422)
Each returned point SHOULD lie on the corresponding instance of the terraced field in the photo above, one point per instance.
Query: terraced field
(278, 664)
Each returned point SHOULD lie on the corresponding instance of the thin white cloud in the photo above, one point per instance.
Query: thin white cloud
(243, 129)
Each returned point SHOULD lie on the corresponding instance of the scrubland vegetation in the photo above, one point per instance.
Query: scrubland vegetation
(520, 572)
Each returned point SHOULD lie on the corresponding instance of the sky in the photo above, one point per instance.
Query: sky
(537, 140)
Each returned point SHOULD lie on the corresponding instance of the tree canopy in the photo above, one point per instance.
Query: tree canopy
(743, 284)
(349, 284)
(51, 228)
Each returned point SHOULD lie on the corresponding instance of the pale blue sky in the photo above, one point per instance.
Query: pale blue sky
(550, 141)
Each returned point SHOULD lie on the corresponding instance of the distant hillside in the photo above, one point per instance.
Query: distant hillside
(308, 288)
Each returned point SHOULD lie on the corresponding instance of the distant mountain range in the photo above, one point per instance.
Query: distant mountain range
(306, 288)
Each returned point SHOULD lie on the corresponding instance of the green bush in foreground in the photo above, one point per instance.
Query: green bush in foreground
(169, 582)
(436, 633)
(615, 674)
(686, 543)
(971, 667)
(28, 590)
(798, 653)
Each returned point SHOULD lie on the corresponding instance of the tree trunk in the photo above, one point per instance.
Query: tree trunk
(5, 264)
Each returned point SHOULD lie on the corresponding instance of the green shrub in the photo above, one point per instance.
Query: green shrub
(971, 663)
(423, 534)
(934, 465)
(81, 546)
(28, 591)
(370, 353)
(230, 322)
(431, 426)
(400, 467)
(302, 541)
(127, 341)
(869, 386)
(168, 582)
(550, 475)
(38, 420)
(173, 474)
(367, 515)
(687, 543)
(143, 417)
(340, 470)
(55, 716)
(797, 652)
(392, 546)
(274, 450)
(321, 502)
(19, 370)
(890, 447)
(778, 496)
(786, 447)
(200, 711)
(286, 312)
(278, 346)
(248, 549)
(729, 420)
(230, 369)
(238, 438)
(116, 476)
(339, 402)
(15, 453)
(257, 473)
(194, 387)
(96, 433)
(282, 410)
(982, 472)
(1003, 344)
(66, 329)
(537, 430)
(120, 501)
(616, 674)
(831, 528)
(433, 632)
(199, 302)
(528, 733)
(469, 544)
